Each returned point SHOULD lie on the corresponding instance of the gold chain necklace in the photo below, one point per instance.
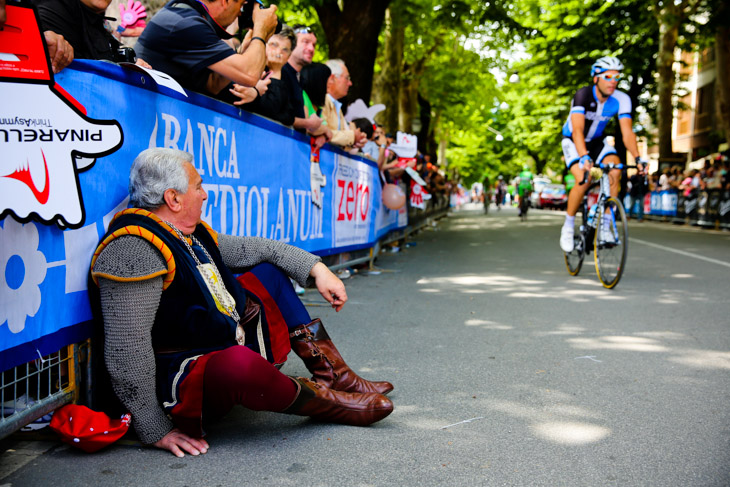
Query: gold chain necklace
(224, 298)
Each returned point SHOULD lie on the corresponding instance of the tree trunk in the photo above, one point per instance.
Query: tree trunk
(408, 104)
(426, 142)
(388, 82)
(722, 78)
(410, 82)
(539, 161)
(668, 34)
(443, 142)
(352, 35)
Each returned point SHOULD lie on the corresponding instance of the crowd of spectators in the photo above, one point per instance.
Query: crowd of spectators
(714, 175)
(239, 55)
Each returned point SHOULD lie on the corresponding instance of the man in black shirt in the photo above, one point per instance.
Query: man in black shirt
(82, 24)
(185, 40)
(300, 57)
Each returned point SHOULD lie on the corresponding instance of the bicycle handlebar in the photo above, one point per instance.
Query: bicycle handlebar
(596, 170)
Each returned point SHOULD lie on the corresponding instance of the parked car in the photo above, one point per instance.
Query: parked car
(553, 196)
(538, 183)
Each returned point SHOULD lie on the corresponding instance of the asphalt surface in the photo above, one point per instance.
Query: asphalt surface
(507, 371)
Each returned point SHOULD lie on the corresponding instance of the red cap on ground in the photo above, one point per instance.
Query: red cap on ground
(87, 429)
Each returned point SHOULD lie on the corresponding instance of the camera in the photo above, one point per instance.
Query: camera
(245, 21)
(125, 55)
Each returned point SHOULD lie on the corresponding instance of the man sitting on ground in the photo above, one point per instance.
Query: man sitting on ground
(185, 341)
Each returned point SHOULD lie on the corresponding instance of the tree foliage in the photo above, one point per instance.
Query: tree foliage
(445, 64)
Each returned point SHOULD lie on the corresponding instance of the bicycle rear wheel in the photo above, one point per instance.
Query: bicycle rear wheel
(610, 243)
(574, 259)
(523, 208)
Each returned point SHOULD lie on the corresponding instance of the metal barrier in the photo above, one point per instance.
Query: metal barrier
(705, 208)
(32, 390)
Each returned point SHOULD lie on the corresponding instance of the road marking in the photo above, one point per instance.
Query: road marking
(681, 252)
(590, 357)
(462, 422)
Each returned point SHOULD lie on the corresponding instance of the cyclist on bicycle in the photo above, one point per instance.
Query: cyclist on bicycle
(524, 188)
(500, 190)
(486, 193)
(583, 143)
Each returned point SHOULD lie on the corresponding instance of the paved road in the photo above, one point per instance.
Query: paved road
(507, 372)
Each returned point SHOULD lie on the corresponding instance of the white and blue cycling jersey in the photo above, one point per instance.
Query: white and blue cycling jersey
(597, 114)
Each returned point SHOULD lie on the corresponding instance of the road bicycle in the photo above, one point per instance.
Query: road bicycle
(603, 229)
(524, 205)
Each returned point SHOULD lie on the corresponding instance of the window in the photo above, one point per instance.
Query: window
(705, 107)
(684, 116)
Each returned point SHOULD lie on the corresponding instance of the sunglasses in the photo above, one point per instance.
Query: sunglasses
(611, 77)
(303, 30)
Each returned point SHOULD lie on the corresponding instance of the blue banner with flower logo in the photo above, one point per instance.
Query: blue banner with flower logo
(68, 145)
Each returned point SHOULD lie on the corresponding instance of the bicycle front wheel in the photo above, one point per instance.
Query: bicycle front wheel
(610, 243)
(574, 259)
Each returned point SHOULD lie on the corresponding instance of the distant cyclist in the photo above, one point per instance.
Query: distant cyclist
(583, 138)
(486, 193)
(524, 188)
(568, 180)
(499, 192)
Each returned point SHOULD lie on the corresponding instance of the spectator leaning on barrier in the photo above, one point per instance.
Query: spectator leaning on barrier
(373, 147)
(60, 52)
(313, 79)
(712, 179)
(362, 127)
(639, 188)
(275, 102)
(338, 86)
(185, 341)
(82, 23)
(689, 183)
(185, 40)
(300, 57)
(665, 181)
(389, 159)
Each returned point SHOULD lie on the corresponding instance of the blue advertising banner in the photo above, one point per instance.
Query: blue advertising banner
(669, 202)
(67, 149)
(656, 203)
(664, 203)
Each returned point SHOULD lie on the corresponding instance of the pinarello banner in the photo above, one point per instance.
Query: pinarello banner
(67, 143)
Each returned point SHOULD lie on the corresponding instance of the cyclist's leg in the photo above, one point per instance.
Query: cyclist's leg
(608, 155)
(575, 197)
(614, 175)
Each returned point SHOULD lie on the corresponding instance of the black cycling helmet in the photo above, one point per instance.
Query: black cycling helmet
(606, 63)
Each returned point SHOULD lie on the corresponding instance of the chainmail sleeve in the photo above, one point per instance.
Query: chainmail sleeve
(129, 302)
(242, 253)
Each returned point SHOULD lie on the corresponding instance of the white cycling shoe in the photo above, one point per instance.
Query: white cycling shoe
(566, 239)
(607, 233)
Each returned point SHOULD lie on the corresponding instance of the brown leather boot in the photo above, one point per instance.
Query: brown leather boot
(323, 404)
(314, 346)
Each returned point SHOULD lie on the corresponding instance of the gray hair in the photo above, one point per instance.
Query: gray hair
(153, 172)
(336, 66)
